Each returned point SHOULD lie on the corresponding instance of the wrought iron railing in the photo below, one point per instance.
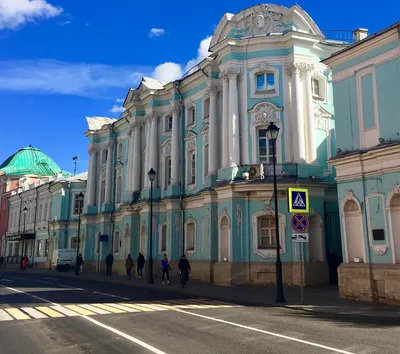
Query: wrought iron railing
(339, 35)
(255, 171)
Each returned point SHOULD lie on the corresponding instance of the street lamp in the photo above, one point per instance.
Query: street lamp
(80, 204)
(25, 210)
(152, 176)
(272, 134)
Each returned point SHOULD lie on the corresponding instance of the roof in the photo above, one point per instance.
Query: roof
(368, 38)
(30, 161)
(153, 84)
(81, 177)
(96, 123)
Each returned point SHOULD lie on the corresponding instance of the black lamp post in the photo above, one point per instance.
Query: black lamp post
(272, 134)
(80, 202)
(152, 176)
(25, 210)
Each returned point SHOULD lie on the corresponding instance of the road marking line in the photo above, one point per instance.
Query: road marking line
(49, 312)
(109, 308)
(17, 314)
(94, 309)
(160, 304)
(7, 280)
(138, 307)
(111, 295)
(4, 316)
(69, 287)
(80, 310)
(64, 311)
(33, 312)
(52, 279)
(267, 332)
(154, 307)
(122, 307)
(126, 336)
(43, 282)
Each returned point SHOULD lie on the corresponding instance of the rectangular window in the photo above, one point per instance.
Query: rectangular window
(45, 212)
(168, 123)
(117, 241)
(46, 248)
(163, 238)
(119, 186)
(74, 242)
(206, 108)
(77, 204)
(193, 169)
(265, 147)
(169, 171)
(315, 87)
(39, 248)
(206, 160)
(102, 192)
(120, 148)
(190, 236)
(266, 232)
(191, 116)
(265, 82)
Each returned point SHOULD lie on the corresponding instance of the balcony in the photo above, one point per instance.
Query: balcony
(266, 171)
(339, 35)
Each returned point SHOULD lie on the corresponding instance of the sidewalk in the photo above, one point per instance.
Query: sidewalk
(317, 299)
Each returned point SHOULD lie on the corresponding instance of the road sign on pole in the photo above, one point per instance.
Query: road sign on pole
(299, 223)
(298, 200)
(300, 237)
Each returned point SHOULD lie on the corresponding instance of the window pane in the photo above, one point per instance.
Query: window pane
(260, 82)
(262, 133)
(270, 81)
(262, 143)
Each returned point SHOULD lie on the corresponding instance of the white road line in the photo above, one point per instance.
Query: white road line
(94, 309)
(52, 279)
(43, 282)
(33, 312)
(4, 316)
(64, 310)
(121, 307)
(97, 323)
(69, 287)
(7, 280)
(267, 332)
(153, 307)
(126, 336)
(111, 295)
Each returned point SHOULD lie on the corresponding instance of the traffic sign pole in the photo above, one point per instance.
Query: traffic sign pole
(301, 249)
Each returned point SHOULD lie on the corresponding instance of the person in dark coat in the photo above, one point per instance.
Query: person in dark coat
(184, 268)
(128, 266)
(79, 263)
(109, 263)
(140, 265)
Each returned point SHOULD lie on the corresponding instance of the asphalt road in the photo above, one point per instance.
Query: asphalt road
(50, 314)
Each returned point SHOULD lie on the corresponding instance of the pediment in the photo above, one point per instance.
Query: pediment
(321, 112)
(205, 129)
(190, 135)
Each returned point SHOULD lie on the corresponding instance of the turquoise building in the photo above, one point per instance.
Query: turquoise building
(366, 91)
(205, 136)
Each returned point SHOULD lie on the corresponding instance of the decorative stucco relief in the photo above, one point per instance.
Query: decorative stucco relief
(264, 113)
(262, 21)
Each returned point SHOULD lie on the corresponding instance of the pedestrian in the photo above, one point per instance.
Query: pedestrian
(140, 265)
(1, 261)
(24, 262)
(79, 263)
(109, 263)
(128, 266)
(165, 267)
(184, 269)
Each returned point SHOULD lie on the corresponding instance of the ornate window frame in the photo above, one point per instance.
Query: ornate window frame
(191, 220)
(190, 148)
(206, 102)
(268, 252)
(261, 115)
(322, 120)
(323, 88)
(117, 231)
(166, 131)
(220, 218)
(264, 68)
(160, 228)
(189, 107)
(205, 142)
(395, 191)
(118, 185)
(166, 153)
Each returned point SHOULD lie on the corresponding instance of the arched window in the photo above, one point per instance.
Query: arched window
(190, 236)
(74, 242)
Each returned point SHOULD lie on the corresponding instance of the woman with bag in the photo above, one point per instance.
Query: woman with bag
(165, 267)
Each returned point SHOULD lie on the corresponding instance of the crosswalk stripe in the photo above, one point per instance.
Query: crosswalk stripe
(80, 310)
(108, 308)
(94, 309)
(122, 307)
(161, 304)
(17, 314)
(33, 312)
(138, 307)
(5, 316)
(154, 307)
(49, 312)
(64, 311)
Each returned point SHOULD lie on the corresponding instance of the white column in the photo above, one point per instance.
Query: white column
(147, 154)
(244, 121)
(311, 133)
(91, 199)
(298, 115)
(109, 171)
(153, 145)
(234, 131)
(225, 122)
(175, 147)
(130, 162)
(287, 116)
(136, 153)
(213, 150)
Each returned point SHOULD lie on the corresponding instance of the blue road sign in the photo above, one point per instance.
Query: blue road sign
(299, 223)
(298, 200)
(103, 238)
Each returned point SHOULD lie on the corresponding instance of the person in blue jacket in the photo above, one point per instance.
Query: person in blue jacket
(165, 267)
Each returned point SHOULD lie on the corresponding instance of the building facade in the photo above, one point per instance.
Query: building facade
(205, 136)
(366, 89)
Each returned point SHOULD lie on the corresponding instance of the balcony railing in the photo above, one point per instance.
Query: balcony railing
(339, 35)
(255, 171)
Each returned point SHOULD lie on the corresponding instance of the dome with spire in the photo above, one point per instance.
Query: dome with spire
(29, 161)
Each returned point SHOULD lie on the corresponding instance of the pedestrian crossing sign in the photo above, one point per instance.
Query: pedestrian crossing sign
(298, 200)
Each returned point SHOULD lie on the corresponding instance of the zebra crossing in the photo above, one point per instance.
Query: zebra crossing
(93, 309)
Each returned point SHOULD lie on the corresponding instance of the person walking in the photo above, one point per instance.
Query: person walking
(109, 263)
(128, 266)
(79, 263)
(24, 262)
(140, 265)
(165, 267)
(184, 269)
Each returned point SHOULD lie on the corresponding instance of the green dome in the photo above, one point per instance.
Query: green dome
(30, 161)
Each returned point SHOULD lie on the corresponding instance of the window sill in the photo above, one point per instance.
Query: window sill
(190, 125)
(168, 132)
(191, 186)
(318, 98)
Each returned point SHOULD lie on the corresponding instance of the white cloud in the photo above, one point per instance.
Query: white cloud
(15, 13)
(120, 100)
(156, 32)
(117, 109)
(80, 79)
(64, 23)
(172, 71)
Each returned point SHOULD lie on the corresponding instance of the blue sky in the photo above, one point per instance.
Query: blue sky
(62, 60)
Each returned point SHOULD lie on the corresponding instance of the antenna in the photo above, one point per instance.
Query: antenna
(75, 159)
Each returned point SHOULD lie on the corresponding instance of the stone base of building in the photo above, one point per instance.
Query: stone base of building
(370, 282)
(41, 265)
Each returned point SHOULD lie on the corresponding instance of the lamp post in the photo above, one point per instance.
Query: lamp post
(152, 176)
(80, 202)
(272, 134)
(25, 210)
